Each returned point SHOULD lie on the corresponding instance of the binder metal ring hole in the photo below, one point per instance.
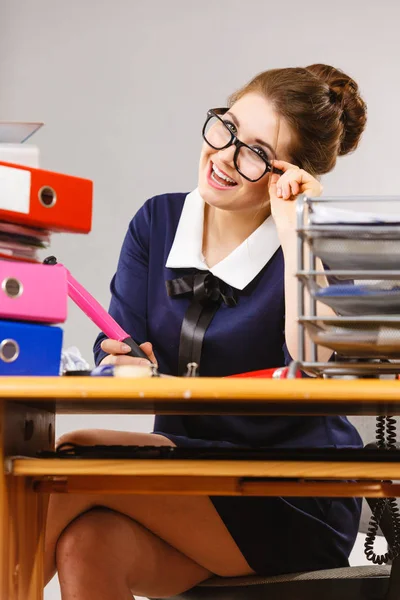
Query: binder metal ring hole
(47, 196)
(9, 351)
(12, 287)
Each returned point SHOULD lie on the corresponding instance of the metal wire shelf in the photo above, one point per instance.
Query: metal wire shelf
(379, 352)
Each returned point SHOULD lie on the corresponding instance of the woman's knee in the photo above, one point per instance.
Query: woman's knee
(90, 557)
(86, 540)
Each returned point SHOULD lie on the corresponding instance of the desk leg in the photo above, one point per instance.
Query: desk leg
(27, 514)
(3, 526)
(23, 431)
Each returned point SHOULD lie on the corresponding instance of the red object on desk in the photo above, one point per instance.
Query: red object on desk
(276, 373)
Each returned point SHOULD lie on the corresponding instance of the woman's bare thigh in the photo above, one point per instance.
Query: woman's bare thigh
(188, 523)
(125, 559)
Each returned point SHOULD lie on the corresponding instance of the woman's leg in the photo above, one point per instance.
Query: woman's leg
(104, 555)
(188, 524)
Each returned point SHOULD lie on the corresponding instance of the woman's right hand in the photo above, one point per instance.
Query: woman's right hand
(116, 353)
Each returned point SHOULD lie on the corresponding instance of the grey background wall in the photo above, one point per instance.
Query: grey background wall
(123, 88)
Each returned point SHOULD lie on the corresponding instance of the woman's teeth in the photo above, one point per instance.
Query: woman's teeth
(217, 176)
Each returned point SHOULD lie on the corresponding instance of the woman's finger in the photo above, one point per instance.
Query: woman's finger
(114, 347)
(147, 348)
(282, 165)
(283, 185)
(295, 188)
(274, 178)
(121, 359)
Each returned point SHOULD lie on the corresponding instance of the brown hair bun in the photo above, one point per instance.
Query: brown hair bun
(344, 93)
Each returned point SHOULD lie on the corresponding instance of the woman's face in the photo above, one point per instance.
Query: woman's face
(252, 120)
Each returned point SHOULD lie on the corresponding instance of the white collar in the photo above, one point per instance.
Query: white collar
(237, 269)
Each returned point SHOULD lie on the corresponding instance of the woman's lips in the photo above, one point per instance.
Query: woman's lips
(218, 184)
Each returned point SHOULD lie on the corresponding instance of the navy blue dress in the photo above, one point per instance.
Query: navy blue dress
(275, 535)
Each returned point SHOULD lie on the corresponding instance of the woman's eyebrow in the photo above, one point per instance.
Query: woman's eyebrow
(234, 119)
(258, 141)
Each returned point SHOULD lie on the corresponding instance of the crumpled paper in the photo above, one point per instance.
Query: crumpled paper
(72, 360)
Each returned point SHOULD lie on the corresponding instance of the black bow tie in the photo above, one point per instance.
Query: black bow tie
(208, 293)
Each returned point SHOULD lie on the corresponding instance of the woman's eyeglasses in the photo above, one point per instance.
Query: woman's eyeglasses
(252, 162)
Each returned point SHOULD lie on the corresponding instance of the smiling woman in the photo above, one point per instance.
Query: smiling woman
(208, 277)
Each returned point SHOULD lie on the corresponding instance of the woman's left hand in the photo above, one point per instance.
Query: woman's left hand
(283, 189)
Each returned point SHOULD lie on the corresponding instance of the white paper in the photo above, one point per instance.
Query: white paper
(15, 189)
(26, 155)
(324, 215)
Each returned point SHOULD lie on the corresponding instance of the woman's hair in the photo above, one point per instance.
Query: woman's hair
(323, 107)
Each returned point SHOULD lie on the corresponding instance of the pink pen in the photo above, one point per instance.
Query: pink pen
(96, 312)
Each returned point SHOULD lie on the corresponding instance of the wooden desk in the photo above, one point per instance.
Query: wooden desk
(27, 417)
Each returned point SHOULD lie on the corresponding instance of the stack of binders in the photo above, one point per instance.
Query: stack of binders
(33, 297)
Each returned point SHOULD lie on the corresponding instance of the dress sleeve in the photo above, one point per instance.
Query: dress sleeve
(129, 285)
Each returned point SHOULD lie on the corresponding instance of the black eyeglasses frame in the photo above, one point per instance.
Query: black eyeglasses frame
(234, 141)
